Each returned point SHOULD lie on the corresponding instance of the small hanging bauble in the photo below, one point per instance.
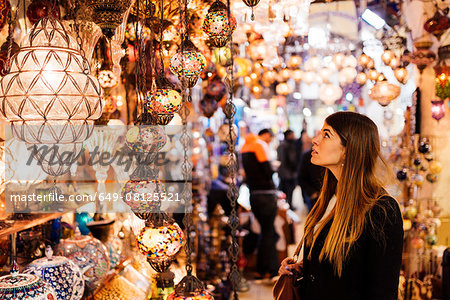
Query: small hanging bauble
(402, 75)
(407, 224)
(411, 212)
(424, 147)
(108, 14)
(4, 56)
(387, 56)
(431, 178)
(208, 106)
(252, 4)
(163, 102)
(435, 167)
(361, 78)
(437, 109)
(402, 174)
(41, 8)
(217, 26)
(107, 79)
(188, 65)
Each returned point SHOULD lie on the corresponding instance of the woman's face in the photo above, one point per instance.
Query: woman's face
(327, 150)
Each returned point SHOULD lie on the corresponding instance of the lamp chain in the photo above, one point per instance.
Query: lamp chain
(233, 191)
(78, 38)
(187, 171)
(11, 24)
(161, 21)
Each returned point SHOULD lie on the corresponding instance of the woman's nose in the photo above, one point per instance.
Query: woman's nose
(315, 140)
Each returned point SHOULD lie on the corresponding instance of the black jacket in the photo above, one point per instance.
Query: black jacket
(371, 272)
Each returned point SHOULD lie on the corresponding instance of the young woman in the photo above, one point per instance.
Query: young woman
(353, 235)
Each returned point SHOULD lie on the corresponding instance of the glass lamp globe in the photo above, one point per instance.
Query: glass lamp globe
(329, 93)
(188, 64)
(163, 103)
(145, 139)
(137, 194)
(384, 92)
(160, 243)
(217, 26)
(49, 79)
(107, 79)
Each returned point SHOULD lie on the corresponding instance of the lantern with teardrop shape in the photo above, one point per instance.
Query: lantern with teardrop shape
(437, 109)
(108, 14)
(218, 25)
(252, 4)
(438, 23)
(163, 102)
(188, 64)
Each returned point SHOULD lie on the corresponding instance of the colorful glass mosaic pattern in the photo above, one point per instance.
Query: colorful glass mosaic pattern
(163, 101)
(89, 254)
(5, 6)
(146, 139)
(25, 286)
(187, 64)
(62, 274)
(140, 195)
(216, 24)
(130, 32)
(160, 242)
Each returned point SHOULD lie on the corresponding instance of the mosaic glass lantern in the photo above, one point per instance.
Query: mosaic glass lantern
(188, 65)
(49, 78)
(160, 240)
(217, 26)
(138, 193)
(437, 24)
(61, 273)
(437, 109)
(145, 139)
(384, 92)
(208, 106)
(422, 58)
(89, 254)
(130, 32)
(442, 81)
(163, 102)
(190, 288)
(24, 286)
(108, 14)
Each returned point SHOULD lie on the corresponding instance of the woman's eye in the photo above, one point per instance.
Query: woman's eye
(326, 135)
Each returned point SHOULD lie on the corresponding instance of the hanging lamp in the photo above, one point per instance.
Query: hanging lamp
(217, 25)
(188, 63)
(251, 4)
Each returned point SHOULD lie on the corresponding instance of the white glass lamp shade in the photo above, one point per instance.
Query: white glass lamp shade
(49, 79)
(384, 92)
(329, 93)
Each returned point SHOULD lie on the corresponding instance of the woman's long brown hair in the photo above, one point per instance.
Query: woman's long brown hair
(357, 190)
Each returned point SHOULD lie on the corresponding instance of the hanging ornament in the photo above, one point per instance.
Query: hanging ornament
(216, 88)
(217, 26)
(5, 7)
(442, 81)
(373, 74)
(437, 109)
(402, 174)
(283, 89)
(437, 24)
(39, 9)
(381, 77)
(145, 139)
(313, 64)
(395, 63)
(297, 75)
(387, 56)
(252, 4)
(163, 102)
(4, 55)
(424, 147)
(435, 167)
(366, 61)
(160, 240)
(350, 62)
(431, 178)
(361, 78)
(49, 78)
(338, 60)
(325, 74)
(208, 106)
(329, 93)
(294, 62)
(402, 75)
(284, 75)
(108, 14)
(423, 58)
(188, 65)
(384, 92)
(138, 195)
